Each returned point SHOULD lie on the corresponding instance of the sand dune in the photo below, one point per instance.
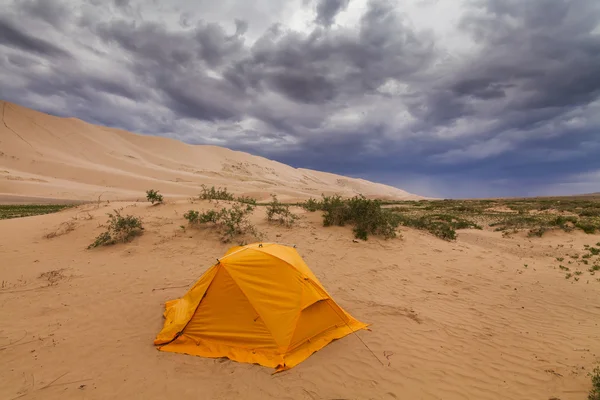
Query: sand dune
(66, 158)
(450, 320)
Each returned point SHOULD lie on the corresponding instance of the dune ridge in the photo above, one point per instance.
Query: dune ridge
(65, 158)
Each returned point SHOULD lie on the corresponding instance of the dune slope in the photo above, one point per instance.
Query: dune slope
(66, 158)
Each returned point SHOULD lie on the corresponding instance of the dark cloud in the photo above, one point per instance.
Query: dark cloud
(54, 12)
(328, 9)
(515, 113)
(241, 27)
(122, 3)
(12, 36)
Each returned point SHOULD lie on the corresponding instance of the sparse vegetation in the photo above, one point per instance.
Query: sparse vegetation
(154, 197)
(536, 216)
(230, 222)
(217, 194)
(246, 200)
(28, 210)
(280, 213)
(312, 205)
(595, 390)
(120, 229)
(443, 226)
(213, 193)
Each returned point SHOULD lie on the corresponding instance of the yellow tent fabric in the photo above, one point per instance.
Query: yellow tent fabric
(260, 304)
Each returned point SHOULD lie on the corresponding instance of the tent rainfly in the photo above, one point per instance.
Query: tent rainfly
(260, 304)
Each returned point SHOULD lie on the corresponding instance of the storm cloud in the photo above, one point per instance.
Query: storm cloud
(446, 98)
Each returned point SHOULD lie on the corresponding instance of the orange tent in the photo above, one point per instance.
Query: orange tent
(259, 303)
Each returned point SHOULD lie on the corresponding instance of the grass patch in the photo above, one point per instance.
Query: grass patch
(28, 210)
(120, 229)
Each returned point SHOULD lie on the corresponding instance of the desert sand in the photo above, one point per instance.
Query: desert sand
(65, 158)
(484, 317)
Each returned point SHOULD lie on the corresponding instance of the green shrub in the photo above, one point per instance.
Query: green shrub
(280, 213)
(153, 196)
(587, 227)
(594, 212)
(230, 222)
(195, 218)
(369, 218)
(594, 251)
(121, 229)
(595, 390)
(366, 215)
(437, 227)
(213, 193)
(335, 211)
(443, 226)
(312, 205)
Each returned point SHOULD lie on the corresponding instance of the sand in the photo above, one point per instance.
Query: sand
(66, 158)
(485, 317)
(450, 320)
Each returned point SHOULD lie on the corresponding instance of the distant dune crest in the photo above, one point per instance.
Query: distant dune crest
(65, 158)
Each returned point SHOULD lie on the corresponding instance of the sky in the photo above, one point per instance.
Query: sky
(443, 98)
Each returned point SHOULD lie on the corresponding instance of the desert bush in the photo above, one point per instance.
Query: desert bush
(594, 212)
(587, 227)
(439, 228)
(595, 390)
(366, 215)
(246, 200)
(594, 251)
(213, 193)
(312, 205)
(154, 197)
(230, 222)
(120, 229)
(192, 216)
(370, 218)
(443, 226)
(335, 211)
(280, 213)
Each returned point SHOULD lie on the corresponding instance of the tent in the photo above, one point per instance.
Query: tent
(260, 304)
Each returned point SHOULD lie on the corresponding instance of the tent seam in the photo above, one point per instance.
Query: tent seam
(250, 302)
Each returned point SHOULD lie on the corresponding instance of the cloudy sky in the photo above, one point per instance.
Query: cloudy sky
(448, 98)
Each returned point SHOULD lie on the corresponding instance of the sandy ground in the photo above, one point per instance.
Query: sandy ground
(461, 320)
(66, 158)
